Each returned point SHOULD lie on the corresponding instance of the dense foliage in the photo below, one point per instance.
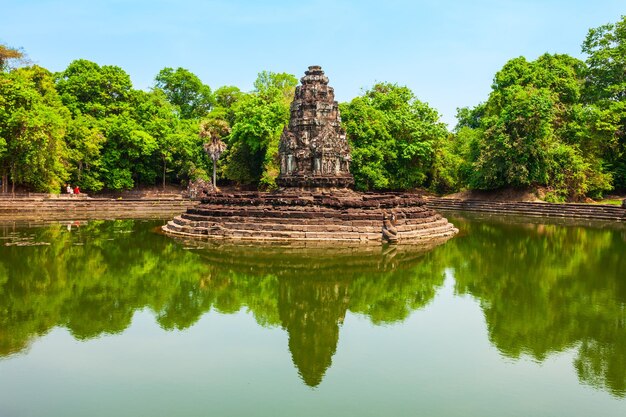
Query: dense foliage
(555, 123)
(33, 125)
(533, 130)
(605, 93)
(258, 119)
(393, 137)
(87, 125)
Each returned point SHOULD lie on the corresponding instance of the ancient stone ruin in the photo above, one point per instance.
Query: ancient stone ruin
(315, 201)
(313, 149)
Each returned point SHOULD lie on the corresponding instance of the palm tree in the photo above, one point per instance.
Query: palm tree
(214, 130)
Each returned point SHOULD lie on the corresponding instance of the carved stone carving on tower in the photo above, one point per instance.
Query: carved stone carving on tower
(313, 149)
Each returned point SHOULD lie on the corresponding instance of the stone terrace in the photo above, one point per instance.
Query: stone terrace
(569, 210)
(347, 217)
(77, 208)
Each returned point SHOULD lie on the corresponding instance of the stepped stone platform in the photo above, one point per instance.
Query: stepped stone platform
(569, 210)
(290, 214)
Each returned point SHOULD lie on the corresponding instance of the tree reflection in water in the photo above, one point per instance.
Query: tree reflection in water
(545, 288)
(542, 288)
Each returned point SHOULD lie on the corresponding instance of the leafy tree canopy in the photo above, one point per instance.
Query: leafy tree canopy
(33, 124)
(393, 137)
(532, 131)
(186, 91)
(605, 91)
(88, 88)
(258, 120)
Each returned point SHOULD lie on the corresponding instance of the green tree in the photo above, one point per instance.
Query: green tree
(127, 153)
(212, 131)
(157, 117)
(371, 143)
(104, 135)
(258, 120)
(84, 140)
(99, 91)
(120, 137)
(225, 99)
(532, 131)
(394, 138)
(33, 123)
(226, 96)
(605, 92)
(186, 91)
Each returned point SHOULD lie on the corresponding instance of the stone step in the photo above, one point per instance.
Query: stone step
(574, 210)
(270, 224)
(431, 231)
(276, 220)
(616, 211)
(91, 200)
(256, 217)
(435, 221)
(245, 234)
(260, 227)
(93, 205)
(440, 228)
(560, 206)
(431, 237)
(546, 213)
(279, 220)
(307, 215)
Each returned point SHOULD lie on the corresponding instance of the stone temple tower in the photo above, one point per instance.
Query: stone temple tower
(313, 149)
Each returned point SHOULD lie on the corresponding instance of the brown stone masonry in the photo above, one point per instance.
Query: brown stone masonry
(313, 149)
(351, 217)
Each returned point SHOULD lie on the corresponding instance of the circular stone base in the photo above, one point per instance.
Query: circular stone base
(338, 215)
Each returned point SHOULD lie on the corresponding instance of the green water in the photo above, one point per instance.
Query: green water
(509, 318)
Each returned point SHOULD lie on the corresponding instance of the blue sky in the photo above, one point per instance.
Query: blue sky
(447, 52)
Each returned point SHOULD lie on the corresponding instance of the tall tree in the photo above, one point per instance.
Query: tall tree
(393, 137)
(225, 99)
(532, 132)
(605, 92)
(7, 54)
(33, 123)
(84, 140)
(212, 131)
(158, 118)
(186, 91)
(258, 120)
(99, 91)
(103, 102)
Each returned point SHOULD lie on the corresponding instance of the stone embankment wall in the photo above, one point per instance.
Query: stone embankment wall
(570, 210)
(77, 208)
(313, 217)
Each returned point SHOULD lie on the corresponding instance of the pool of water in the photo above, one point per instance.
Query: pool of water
(509, 318)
